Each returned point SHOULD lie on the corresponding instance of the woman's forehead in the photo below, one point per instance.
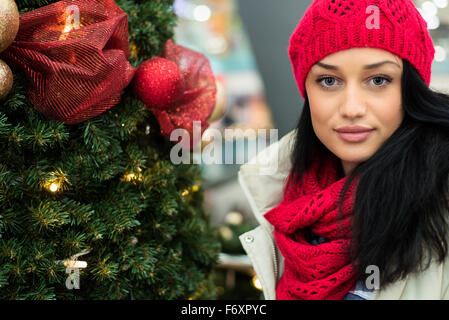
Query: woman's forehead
(363, 58)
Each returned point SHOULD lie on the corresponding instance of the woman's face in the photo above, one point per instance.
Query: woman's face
(346, 89)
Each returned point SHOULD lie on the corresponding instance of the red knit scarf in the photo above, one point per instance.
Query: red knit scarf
(323, 271)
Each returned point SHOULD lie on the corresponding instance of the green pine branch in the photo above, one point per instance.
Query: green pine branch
(107, 186)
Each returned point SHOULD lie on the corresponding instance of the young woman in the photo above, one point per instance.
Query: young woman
(358, 206)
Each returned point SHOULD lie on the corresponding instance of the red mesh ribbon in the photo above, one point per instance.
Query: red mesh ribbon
(197, 101)
(77, 74)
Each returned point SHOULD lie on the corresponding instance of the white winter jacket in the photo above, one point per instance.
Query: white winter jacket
(262, 180)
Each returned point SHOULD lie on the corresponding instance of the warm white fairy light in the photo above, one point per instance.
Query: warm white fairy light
(256, 282)
(133, 176)
(55, 181)
(54, 187)
(67, 28)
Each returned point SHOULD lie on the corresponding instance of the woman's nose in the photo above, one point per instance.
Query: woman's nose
(353, 102)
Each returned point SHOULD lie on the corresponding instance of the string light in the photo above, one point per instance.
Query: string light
(54, 187)
(256, 283)
(55, 181)
(71, 19)
(65, 32)
(132, 176)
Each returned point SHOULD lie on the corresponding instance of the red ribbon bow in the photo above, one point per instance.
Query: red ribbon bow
(77, 68)
(197, 98)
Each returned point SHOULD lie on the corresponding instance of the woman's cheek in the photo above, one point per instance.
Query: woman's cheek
(322, 128)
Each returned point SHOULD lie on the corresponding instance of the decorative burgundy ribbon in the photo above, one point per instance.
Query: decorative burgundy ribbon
(197, 101)
(74, 73)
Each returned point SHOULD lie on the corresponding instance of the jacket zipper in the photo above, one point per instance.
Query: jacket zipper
(273, 249)
(275, 263)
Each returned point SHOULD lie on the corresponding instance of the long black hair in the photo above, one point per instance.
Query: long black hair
(401, 206)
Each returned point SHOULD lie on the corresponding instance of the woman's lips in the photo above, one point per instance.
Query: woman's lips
(354, 136)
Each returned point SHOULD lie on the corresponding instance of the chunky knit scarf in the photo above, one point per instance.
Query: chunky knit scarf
(322, 271)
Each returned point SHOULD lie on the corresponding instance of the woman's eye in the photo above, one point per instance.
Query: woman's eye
(378, 81)
(387, 80)
(326, 82)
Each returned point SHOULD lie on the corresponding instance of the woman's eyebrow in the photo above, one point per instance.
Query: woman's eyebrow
(370, 66)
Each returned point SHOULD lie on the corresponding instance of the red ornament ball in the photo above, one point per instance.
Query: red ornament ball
(158, 82)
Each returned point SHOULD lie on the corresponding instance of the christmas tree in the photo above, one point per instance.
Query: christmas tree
(92, 207)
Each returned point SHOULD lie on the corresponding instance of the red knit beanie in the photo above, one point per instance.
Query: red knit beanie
(329, 26)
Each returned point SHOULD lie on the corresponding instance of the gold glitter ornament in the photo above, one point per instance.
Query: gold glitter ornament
(9, 23)
(6, 78)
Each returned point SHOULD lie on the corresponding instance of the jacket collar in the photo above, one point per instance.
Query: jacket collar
(264, 176)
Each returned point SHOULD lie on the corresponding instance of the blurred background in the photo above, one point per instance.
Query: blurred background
(246, 43)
